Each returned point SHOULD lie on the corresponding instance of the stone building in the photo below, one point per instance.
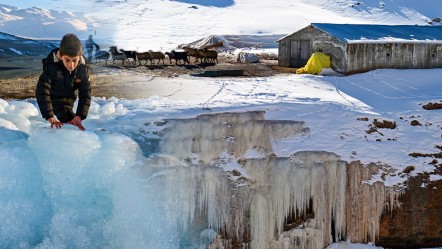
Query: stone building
(358, 48)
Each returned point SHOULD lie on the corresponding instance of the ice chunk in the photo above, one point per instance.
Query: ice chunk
(7, 124)
(108, 109)
(3, 105)
(22, 108)
(24, 209)
(21, 122)
(79, 172)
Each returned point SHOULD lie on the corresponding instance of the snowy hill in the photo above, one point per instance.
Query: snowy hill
(38, 22)
(160, 24)
(11, 45)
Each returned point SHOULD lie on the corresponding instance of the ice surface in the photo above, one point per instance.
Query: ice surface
(347, 245)
(56, 187)
(24, 208)
(79, 170)
(63, 188)
(17, 114)
(174, 205)
(206, 137)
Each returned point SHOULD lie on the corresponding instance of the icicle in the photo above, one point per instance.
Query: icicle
(179, 200)
(366, 203)
(282, 184)
(340, 205)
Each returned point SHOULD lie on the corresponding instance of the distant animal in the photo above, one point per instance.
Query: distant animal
(101, 55)
(129, 55)
(193, 52)
(157, 56)
(178, 56)
(209, 56)
(143, 56)
(171, 57)
(117, 55)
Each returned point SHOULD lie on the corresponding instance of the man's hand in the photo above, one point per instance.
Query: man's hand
(55, 122)
(77, 122)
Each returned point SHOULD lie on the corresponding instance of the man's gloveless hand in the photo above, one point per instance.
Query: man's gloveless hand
(55, 123)
(77, 122)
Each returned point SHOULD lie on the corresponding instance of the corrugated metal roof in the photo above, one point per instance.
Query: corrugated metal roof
(357, 33)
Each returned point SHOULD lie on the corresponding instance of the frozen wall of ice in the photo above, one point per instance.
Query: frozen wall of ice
(284, 185)
(64, 188)
(206, 137)
(177, 205)
(272, 188)
(367, 202)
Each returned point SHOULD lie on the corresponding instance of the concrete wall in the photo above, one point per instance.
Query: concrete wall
(318, 40)
(368, 56)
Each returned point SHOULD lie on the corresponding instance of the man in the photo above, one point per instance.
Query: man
(64, 72)
(89, 48)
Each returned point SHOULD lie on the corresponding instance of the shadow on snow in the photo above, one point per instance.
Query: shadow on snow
(209, 3)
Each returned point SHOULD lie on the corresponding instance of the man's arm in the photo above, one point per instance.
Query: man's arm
(43, 95)
(84, 95)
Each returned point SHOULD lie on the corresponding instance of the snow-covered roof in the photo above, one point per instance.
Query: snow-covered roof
(371, 33)
(356, 33)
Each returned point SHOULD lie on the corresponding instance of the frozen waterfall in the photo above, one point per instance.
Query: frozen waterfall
(312, 187)
(213, 181)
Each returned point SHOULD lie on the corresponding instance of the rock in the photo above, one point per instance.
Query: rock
(415, 123)
(244, 57)
(432, 106)
(408, 169)
(418, 223)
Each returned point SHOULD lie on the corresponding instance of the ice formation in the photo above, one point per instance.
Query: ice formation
(203, 188)
(206, 137)
(367, 202)
(285, 185)
(176, 205)
(277, 187)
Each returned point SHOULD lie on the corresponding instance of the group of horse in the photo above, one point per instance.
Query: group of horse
(183, 55)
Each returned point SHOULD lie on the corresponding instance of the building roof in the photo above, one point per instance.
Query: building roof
(371, 33)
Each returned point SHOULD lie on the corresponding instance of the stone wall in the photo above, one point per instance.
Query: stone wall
(318, 41)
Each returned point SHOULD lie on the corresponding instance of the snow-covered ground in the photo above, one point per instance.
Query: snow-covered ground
(71, 189)
(68, 162)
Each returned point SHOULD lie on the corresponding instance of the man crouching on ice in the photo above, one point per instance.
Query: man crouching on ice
(64, 72)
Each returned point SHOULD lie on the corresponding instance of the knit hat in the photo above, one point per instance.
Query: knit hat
(70, 45)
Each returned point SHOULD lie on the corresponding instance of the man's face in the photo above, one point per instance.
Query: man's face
(70, 63)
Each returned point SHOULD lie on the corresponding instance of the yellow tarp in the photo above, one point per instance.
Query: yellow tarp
(315, 64)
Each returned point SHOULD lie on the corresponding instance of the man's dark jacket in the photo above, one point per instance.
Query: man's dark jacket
(55, 89)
